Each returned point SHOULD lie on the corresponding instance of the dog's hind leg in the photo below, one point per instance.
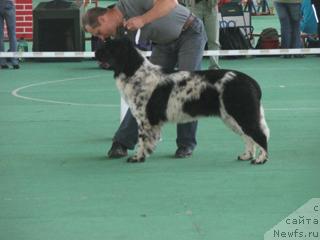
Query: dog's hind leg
(260, 140)
(254, 131)
(250, 148)
(147, 141)
(262, 136)
(253, 136)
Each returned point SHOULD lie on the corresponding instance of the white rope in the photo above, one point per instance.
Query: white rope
(250, 52)
(315, 13)
(137, 38)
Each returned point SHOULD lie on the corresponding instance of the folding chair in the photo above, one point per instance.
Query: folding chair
(233, 12)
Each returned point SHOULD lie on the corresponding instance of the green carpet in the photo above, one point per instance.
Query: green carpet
(55, 182)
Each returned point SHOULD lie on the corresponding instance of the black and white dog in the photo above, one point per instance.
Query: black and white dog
(156, 97)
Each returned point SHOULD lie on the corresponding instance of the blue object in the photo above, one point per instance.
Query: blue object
(308, 23)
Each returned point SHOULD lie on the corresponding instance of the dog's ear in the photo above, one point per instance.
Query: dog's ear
(121, 54)
(105, 52)
(101, 54)
(131, 58)
(125, 41)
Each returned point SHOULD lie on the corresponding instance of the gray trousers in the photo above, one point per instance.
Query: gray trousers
(8, 14)
(185, 53)
(207, 11)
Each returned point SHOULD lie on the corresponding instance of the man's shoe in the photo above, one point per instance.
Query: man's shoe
(16, 66)
(298, 56)
(117, 150)
(183, 152)
(4, 66)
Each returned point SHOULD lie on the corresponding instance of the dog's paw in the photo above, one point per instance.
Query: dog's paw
(255, 162)
(245, 157)
(135, 159)
(259, 161)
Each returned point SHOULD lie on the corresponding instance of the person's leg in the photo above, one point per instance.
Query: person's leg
(211, 24)
(212, 29)
(191, 45)
(164, 55)
(10, 17)
(3, 61)
(295, 17)
(125, 137)
(285, 26)
(207, 11)
(127, 133)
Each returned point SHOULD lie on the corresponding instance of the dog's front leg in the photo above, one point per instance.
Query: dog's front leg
(147, 141)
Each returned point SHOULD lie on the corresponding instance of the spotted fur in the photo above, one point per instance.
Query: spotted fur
(156, 97)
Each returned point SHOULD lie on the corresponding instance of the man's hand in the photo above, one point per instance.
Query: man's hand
(134, 23)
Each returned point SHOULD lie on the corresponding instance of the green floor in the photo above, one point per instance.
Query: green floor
(55, 182)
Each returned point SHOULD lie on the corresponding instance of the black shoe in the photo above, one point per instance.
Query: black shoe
(117, 150)
(298, 56)
(183, 152)
(4, 66)
(16, 66)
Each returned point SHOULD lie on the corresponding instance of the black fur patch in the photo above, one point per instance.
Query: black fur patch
(157, 104)
(207, 105)
(182, 83)
(211, 76)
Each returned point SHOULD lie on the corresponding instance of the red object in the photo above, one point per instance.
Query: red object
(221, 2)
(24, 19)
(270, 44)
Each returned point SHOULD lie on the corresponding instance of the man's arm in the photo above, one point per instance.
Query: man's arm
(159, 9)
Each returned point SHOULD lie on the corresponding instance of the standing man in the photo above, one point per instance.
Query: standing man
(178, 39)
(8, 14)
(207, 11)
(289, 13)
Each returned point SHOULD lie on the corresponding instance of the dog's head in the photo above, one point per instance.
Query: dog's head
(121, 55)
